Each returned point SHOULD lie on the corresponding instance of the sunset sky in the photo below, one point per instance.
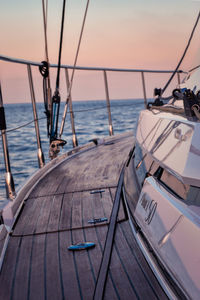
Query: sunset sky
(149, 34)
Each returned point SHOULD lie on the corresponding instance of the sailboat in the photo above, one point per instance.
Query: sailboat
(117, 218)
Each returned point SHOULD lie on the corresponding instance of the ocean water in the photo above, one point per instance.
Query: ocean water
(91, 121)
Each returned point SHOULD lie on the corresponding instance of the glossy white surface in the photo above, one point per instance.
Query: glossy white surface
(192, 81)
(173, 141)
(173, 234)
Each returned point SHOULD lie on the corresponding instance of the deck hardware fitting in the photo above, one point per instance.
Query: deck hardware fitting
(54, 148)
(99, 220)
(96, 192)
(81, 246)
(95, 141)
(109, 143)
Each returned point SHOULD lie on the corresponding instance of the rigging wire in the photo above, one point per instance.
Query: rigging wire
(194, 68)
(73, 70)
(45, 69)
(45, 11)
(56, 96)
(183, 56)
(78, 48)
(60, 47)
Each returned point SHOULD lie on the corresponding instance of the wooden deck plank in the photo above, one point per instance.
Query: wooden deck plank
(87, 211)
(65, 219)
(144, 269)
(37, 288)
(28, 224)
(49, 184)
(30, 208)
(101, 232)
(127, 275)
(21, 281)
(52, 271)
(76, 211)
(81, 258)
(121, 214)
(9, 268)
(111, 290)
(107, 254)
(97, 207)
(43, 216)
(133, 270)
(85, 170)
(54, 287)
(54, 218)
(52, 262)
(124, 288)
(90, 235)
(95, 171)
(106, 202)
(69, 274)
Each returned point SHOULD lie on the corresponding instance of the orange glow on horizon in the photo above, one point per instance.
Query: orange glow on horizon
(147, 35)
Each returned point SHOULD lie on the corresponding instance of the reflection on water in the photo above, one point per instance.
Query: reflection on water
(90, 122)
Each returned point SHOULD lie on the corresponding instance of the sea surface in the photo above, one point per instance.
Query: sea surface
(91, 121)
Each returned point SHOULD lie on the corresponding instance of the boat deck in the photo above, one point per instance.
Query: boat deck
(38, 264)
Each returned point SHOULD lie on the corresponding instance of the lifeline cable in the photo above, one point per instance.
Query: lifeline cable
(75, 111)
(24, 125)
(183, 56)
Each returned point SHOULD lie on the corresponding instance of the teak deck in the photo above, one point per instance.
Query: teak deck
(38, 264)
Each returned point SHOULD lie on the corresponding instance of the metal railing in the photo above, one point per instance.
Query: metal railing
(29, 64)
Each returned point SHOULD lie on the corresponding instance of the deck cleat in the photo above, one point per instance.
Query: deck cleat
(81, 246)
(97, 192)
(99, 220)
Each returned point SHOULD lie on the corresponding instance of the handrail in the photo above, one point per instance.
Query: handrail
(104, 70)
(32, 63)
